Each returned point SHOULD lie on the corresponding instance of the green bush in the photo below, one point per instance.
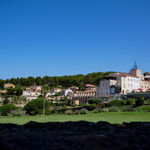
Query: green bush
(113, 109)
(76, 112)
(83, 111)
(35, 107)
(6, 109)
(122, 102)
(6, 101)
(89, 107)
(139, 101)
(69, 112)
(130, 101)
(105, 109)
(17, 112)
(95, 101)
(97, 110)
(114, 103)
(100, 110)
(128, 109)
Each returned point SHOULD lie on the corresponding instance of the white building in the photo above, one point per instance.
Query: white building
(116, 84)
(68, 92)
(32, 92)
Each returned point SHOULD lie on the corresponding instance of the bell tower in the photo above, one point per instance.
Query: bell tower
(135, 66)
(135, 71)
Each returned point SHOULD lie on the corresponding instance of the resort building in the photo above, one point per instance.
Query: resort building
(81, 97)
(117, 84)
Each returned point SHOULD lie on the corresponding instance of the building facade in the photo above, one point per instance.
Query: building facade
(116, 84)
(82, 97)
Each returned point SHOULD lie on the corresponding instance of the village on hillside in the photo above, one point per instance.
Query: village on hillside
(113, 86)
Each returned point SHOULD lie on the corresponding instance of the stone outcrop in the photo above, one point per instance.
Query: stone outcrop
(75, 136)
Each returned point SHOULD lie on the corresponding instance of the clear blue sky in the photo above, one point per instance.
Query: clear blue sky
(61, 37)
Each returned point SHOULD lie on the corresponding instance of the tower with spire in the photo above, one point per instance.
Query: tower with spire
(135, 71)
(135, 66)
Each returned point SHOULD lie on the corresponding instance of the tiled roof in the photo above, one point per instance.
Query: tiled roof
(120, 74)
(87, 91)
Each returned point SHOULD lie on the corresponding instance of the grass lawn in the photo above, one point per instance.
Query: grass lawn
(112, 117)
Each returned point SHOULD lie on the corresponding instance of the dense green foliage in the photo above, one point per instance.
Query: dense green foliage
(95, 101)
(130, 101)
(65, 81)
(2, 84)
(139, 101)
(6, 109)
(35, 107)
(6, 101)
(15, 91)
(89, 107)
(116, 103)
(83, 111)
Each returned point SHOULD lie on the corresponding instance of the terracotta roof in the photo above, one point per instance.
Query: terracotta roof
(120, 74)
(89, 85)
(87, 91)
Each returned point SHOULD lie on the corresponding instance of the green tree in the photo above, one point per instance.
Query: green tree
(35, 107)
(139, 101)
(6, 109)
(10, 91)
(2, 84)
(97, 101)
(18, 91)
(38, 81)
(130, 101)
(6, 101)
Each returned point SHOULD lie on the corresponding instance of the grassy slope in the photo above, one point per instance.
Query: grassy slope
(113, 117)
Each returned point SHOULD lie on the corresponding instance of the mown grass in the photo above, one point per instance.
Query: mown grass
(111, 117)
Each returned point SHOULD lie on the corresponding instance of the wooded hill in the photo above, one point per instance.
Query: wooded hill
(64, 81)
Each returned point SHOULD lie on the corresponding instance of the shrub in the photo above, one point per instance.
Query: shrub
(35, 107)
(18, 112)
(95, 101)
(114, 103)
(122, 102)
(105, 109)
(100, 110)
(97, 110)
(130, 101)
(128, 109)
(6, 101)
(83, 111)
(58, 110)
(89, 107)
(6, 109)
(139, 101)
(76, 112)
(69, 112)
(113, 109)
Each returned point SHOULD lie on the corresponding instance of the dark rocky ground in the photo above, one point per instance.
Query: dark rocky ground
(75, 136)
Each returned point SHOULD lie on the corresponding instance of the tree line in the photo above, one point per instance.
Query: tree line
(64, 81)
